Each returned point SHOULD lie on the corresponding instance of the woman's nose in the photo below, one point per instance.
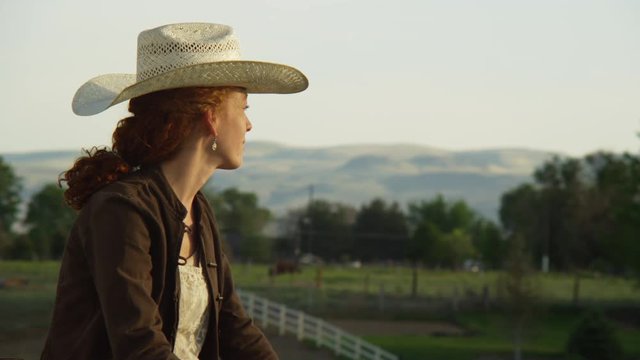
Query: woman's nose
(249, 125)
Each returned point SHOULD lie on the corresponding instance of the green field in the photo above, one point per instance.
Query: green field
(381, 292)
(396, 281)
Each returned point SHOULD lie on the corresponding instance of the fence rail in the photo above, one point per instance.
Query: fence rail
(305, 326)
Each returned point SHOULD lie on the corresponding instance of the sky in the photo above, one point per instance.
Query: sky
(555, 75)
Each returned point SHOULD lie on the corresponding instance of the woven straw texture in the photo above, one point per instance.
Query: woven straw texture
(185, 55)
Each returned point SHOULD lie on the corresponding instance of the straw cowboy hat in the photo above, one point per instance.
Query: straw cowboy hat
(184, 55)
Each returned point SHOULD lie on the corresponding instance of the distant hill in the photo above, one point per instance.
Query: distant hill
(353, 174)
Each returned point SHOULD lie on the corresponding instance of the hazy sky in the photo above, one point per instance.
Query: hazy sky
(546, 74)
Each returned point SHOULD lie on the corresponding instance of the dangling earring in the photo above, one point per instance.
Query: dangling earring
(214, 146)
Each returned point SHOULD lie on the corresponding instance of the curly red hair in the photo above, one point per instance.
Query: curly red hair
(159, 124)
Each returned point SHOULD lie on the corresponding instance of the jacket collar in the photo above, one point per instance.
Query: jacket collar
(168, 196)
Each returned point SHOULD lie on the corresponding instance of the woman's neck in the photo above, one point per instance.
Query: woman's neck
(187, 173)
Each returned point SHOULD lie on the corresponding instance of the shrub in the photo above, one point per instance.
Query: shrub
(594, 338)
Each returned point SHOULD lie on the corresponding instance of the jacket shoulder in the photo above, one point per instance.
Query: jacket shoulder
(135, 190)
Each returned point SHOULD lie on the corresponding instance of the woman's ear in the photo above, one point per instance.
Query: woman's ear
(210, 123)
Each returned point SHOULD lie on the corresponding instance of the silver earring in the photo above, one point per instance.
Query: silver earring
(214, 146)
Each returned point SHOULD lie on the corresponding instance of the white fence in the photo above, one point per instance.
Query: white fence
(304, 326)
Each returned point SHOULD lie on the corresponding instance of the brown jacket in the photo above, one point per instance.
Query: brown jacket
(118, 292)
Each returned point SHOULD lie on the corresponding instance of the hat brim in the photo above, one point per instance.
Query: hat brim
(102, 92)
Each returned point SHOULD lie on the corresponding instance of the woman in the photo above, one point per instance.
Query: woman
(143, 275)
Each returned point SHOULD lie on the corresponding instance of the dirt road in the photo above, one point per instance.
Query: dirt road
(289, 348)
(382, 328)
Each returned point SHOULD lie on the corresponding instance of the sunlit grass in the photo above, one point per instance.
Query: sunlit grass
(397, 280)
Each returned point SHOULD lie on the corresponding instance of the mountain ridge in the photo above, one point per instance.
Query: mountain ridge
(353, 174)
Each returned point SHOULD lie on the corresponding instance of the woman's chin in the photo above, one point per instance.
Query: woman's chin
(231, 165)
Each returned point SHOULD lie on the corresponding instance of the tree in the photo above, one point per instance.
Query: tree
(562, 187)
(549, 213)
(441, 232)
(489, 243)
(580, 213)
(519, 290)
(454, 248)
(49, 220)
(380, 231)
(10, 187)
(288, 244)
(614, 221)
(242, 221)
(446, 216)
(239, 212)
(520, 212)
(594, 338)
(326, 230)
(20, 248)
(5, 244)
(423, 246)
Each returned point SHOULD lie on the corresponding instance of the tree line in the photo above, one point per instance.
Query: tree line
(574, 214)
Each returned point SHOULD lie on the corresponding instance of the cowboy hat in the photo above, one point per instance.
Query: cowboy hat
(185, 55)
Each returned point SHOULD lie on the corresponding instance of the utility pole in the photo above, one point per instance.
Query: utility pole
(309, 223)
(545, 252)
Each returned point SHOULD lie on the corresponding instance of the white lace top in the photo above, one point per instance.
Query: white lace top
(194, 312)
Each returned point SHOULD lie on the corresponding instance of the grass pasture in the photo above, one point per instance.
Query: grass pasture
(554, 287)
(381, 292)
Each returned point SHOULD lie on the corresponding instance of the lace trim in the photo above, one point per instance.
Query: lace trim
(194, 312)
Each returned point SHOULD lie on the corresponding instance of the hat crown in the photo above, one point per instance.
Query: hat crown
(176, 46)
(187, 55)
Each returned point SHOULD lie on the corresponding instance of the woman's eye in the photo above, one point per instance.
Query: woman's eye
(246, 107)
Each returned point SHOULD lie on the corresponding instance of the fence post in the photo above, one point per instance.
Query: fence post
(279, 318)
(300, 325)
(319, 333)
(366, 284)
(283, 316)
(454, 300)
(377, 355)
(251, 304)
(381, 298)
(485, 297)
(319, 277)
(309, 298)
(265, 313)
